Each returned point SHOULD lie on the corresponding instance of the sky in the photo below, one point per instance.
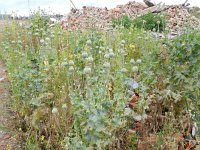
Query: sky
(21, 7)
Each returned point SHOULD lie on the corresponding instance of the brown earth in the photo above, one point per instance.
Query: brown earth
(8, 137)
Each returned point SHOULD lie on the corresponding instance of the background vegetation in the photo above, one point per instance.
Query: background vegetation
(149, 21)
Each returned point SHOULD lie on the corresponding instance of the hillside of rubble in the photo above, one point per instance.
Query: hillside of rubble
(178, 16)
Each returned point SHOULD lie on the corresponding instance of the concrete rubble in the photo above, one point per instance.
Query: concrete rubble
(177, 16)
(99, 17)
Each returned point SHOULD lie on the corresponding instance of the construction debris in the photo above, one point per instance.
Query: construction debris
(148, 3)
(177, 16)
(88, 17)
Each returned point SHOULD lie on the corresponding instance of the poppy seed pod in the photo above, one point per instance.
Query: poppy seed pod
(111, 55)
(124, 70)
(134, 69)
(90, 59)
(87, 70)
(123, 42)
(71, 62)
(132, 61)
(106, 65)
(107, 56)
(85, 55)
(89, 42)
(139, 61)
(42, 41)
(71, 69)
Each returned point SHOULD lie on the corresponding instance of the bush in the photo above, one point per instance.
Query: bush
(150, 21)
(124, 21)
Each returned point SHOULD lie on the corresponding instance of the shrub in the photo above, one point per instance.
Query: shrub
(150, 21)
(124, 21)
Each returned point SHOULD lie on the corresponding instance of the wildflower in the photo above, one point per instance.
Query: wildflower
(158, 22)
(54, 110)
(134, 69)
(87, 70)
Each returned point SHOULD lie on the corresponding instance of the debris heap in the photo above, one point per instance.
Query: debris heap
(177, 16)
(99, 17)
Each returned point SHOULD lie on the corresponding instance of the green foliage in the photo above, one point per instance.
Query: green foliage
(124, 21)
(151, 22)
(184, 70)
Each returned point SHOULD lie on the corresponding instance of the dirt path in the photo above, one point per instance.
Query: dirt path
(7, 136)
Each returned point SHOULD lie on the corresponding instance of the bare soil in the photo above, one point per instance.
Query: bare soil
(8, 137)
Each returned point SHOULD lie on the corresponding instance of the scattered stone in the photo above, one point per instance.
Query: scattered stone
(178, 18)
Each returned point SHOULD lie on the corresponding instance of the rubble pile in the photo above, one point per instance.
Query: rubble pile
(177, 16)
(99, 17)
